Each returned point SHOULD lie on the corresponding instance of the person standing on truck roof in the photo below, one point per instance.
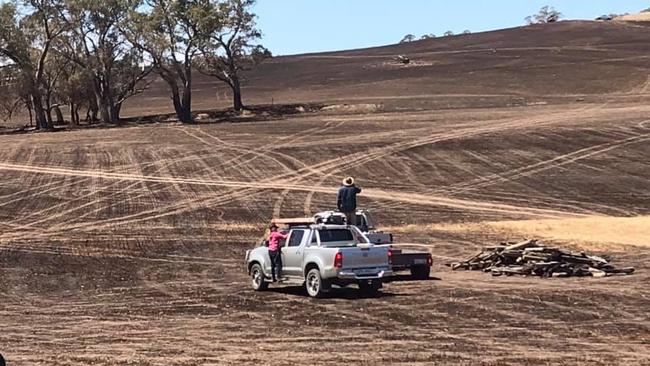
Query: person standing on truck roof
(275, 252)
(346, 200)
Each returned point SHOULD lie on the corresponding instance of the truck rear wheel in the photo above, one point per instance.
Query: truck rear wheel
(420, 272)
(315, 285)
(257, 278)
(369, 288)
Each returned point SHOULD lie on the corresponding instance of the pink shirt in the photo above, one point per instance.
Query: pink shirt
(274, 240)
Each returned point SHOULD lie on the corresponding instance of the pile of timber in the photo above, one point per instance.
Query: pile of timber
(530, 258)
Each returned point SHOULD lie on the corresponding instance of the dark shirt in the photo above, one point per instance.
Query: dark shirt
(346, 199)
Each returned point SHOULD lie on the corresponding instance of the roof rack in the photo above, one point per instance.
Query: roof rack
(294, 221)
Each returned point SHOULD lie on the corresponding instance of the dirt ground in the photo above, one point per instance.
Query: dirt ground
(125, 246)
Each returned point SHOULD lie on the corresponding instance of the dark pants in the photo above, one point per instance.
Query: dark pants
(350, 218)
(276, 264)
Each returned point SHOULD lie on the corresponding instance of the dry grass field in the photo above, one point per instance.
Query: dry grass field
(125, 246)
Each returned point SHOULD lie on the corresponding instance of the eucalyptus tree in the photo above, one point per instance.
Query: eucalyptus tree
(171, 33)
(545, 15)
(231, 45)
(408, 38)
(97, 45)
(28, 30)
(11, 88)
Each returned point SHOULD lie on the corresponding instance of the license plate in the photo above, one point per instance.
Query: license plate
(364, 271)
(420, 261)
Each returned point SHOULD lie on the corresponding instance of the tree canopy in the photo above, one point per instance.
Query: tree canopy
(97, 54)
(547, 14)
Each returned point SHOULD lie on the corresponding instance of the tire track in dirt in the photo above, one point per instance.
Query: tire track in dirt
(60, 250)
(242, 151)
(535, 168)
(378, 152)
(350, 161)
(92, 202)
(272, 148)
(253, 187)
(562, 114)
(99, 200)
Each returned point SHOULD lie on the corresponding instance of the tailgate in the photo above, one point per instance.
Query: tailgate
(405, 258)
(364, 257)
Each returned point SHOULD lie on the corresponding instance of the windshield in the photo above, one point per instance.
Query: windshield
(341, 237)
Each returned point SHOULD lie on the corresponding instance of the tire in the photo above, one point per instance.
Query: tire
(257, 278)
(369, 289)
(315, 285)
(420, 272)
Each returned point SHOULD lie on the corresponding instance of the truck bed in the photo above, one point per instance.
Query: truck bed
(405, 259)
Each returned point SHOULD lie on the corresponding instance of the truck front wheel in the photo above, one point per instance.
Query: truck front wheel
(257, 278)
(315, 285)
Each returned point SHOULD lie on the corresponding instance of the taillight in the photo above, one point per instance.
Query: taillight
(429, 260)
(338, 260)
(390, 256)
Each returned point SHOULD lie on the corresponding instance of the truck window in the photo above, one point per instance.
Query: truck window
(296, 238)
(362, 223)
(336, 237)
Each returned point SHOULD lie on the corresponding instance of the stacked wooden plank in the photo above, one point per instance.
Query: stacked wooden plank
(531, 258)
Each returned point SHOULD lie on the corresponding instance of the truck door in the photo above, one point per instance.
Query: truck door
(292, 253)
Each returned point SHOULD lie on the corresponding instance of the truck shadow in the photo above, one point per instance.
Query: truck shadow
(345, 293)
(407, 277)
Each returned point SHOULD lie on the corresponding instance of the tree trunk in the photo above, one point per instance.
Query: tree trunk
(236, 95)
(59, 115)
(118, 110)
(103, 101)
(104, 114)
(115, 113)
(74, 116)
(31, 116)
(182, 105)
(91, 113)
(76, 113)
(183, 111)
(233, 81)
(50, 121)
(39, 111)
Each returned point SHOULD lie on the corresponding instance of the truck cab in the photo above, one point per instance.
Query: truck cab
(364, 222)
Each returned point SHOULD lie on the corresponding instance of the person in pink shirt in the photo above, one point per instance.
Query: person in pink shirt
(275, 253)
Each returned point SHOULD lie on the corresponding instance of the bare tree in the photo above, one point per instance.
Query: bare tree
(545, 15)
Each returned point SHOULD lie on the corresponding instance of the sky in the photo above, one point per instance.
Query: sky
(302, 26)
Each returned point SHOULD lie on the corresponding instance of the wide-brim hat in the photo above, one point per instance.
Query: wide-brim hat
(349, 181)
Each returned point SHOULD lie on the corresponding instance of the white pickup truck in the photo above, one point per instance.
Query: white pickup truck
(320, 256)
